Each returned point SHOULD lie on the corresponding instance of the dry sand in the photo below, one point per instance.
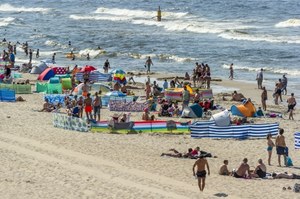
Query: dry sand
(40, 161)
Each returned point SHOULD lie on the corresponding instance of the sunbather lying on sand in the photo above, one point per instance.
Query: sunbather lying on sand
(176, 154)
(237, 97)
(285, 175)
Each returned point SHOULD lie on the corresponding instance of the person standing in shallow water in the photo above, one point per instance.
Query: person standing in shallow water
(231, 72)
(148, 64)
(201, 172)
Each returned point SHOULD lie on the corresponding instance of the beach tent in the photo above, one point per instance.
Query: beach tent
(244, 110)
(221, 119)
(60, 70)
(88, 69)
(193, 111)
(46, 74)
(35, 70)
(42, 67)
(66, 83)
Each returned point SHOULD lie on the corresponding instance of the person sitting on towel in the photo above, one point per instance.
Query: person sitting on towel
(146, 115)
(224, 169)
(47, 107)
(243, 169)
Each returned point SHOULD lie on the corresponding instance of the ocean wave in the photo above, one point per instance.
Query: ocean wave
(237, 35)
(93, 53)
(276, 70)
(55, 44)
(6, 21)
(161, 57)
(288, 23)
(172, 21)
(22, 61)
(138, 13)
(9, 8)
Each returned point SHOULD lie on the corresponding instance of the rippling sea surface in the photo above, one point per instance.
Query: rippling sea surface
(251, 34)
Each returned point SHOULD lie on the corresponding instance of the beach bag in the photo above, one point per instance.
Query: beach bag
(296, 188)
(289, 162)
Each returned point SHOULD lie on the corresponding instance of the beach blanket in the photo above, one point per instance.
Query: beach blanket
(71, 123)
(147, 127)
(208, 129)
(118, 105)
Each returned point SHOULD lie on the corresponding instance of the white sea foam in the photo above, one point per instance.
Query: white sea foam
(9, 8)
(6, 21)
(292, 72)
(172, 21)
(163, 57)
(22, 61)
(55, 44)
(93, 53)
(288, 23)
(236, 35)
(138, 13)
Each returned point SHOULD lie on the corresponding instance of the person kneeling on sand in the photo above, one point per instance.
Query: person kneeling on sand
(242, 170)
(176, 154)
(260, 171)
(237, 96)
(224, 169)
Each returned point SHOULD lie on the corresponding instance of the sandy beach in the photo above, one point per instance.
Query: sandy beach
(40, 161)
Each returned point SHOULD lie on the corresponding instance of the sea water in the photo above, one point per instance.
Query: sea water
(250, 34)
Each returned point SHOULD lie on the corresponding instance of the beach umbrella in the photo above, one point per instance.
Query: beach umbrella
(119, 76)
(118, 71)
(88, 68)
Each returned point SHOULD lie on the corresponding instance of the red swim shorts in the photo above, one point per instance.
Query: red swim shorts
(88, 109)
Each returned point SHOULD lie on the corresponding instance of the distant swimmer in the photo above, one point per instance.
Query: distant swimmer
(4, 40)
(88, 56)
(158, 14)
(70, 44)
(37, 53)
(53, 58)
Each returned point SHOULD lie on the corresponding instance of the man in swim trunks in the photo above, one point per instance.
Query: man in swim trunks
(148, 64)
(241, 172)
(88, 107)
(201, 172)
(280, 146)
(291, 104)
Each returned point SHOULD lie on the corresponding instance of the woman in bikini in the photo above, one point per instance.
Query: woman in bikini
(270, 148)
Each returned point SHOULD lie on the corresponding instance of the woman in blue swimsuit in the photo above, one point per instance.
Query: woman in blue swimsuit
(270, 147)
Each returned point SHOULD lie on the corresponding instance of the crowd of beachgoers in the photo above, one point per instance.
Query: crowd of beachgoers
(200, 78)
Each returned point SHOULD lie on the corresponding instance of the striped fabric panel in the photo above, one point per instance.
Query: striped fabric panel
(210, 130)
(297, 140)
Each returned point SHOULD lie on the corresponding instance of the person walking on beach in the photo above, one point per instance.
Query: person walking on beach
(291, 104)
(280, 146)
(97, 103)
(37, 53)
(201, 172)
(148, 64)
(259, 78)
(231, 72)
(284, 83)
(270, 147)
(264, 98)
